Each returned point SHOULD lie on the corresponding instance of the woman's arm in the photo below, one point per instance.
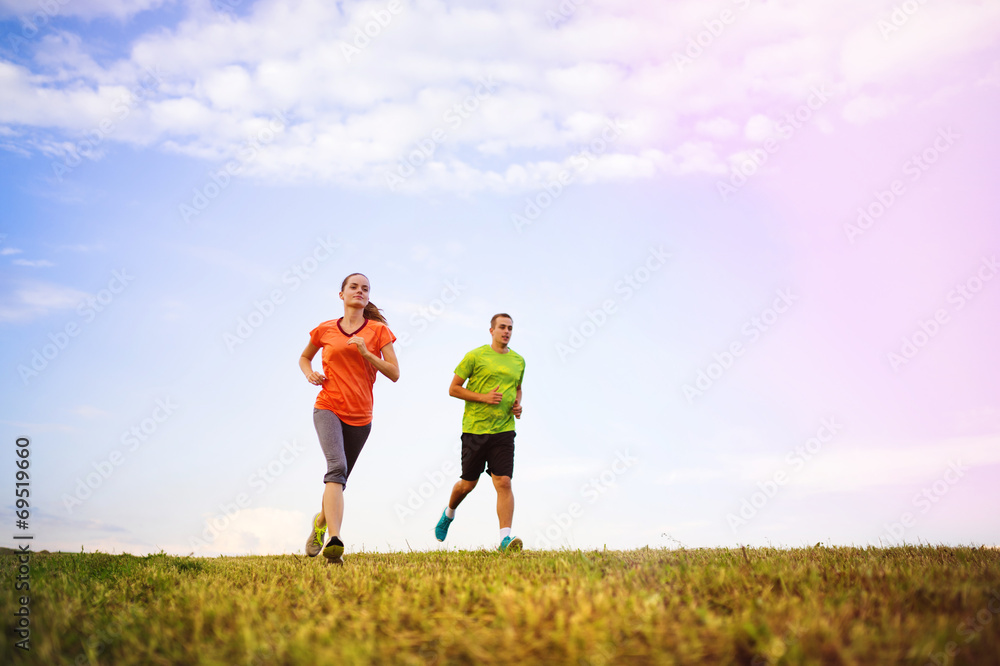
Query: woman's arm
(305, 365)
(388, 365)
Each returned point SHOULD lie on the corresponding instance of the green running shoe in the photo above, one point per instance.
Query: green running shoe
(509, 545)
(441, 531)
(314, 543)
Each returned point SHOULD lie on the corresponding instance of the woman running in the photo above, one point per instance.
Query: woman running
(356, 348)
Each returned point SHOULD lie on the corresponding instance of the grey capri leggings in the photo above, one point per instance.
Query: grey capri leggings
(341, 444)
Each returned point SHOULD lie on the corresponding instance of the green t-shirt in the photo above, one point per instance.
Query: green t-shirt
(485, 368)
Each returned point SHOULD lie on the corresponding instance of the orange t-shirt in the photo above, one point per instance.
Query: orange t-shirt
(347, 391)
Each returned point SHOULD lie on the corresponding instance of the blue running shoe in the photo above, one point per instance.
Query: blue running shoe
(441, 531)
(509, 545)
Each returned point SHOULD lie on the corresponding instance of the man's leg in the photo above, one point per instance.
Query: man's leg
(459, 492)
(505, 500)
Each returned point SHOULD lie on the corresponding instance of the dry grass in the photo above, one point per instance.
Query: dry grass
(759, 606)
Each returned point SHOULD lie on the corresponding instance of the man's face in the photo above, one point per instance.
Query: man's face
(502, 330)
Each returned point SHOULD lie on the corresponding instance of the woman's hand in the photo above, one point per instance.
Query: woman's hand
(316, 378)
(359, 342)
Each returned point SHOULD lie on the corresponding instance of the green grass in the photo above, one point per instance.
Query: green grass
(759, 606)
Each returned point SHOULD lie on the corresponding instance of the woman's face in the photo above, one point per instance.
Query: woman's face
(355, 292)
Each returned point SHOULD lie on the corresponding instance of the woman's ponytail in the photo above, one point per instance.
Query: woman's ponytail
(372, 312)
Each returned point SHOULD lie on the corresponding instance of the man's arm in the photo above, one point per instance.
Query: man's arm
(456, 390)
(516, 407)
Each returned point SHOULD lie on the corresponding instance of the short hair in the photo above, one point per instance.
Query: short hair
(493, 320)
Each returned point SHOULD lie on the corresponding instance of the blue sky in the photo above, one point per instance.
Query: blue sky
(705, 367)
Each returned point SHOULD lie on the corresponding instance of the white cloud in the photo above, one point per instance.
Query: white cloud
(351, 119)
(38, 263)
(866, 108)
(90, 412)
(258, 531)
(41, 13)
(35, 299)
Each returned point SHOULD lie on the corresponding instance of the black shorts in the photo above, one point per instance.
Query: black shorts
(497, 449)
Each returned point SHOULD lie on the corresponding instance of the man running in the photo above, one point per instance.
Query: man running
(492, 402)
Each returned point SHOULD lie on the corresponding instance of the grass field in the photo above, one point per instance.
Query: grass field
(758, 606)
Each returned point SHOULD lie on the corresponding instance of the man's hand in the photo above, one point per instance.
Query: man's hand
(493, 397)
(516, 409)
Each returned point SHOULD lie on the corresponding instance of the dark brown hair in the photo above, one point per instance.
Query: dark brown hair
(493, 320)
(371, 311)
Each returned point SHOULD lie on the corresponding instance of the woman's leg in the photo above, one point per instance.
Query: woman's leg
(342, 445)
